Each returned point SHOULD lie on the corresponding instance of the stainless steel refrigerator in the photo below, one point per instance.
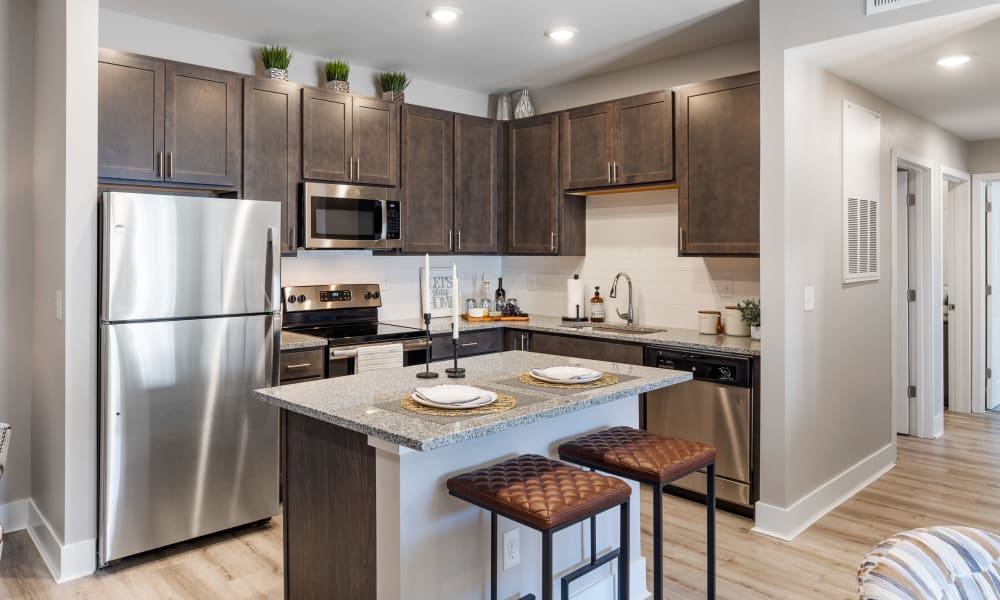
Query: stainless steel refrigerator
(189, 326)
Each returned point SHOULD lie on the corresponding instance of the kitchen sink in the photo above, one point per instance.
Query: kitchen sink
(614, 328)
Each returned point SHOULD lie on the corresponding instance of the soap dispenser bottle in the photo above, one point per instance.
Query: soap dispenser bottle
(597, 306)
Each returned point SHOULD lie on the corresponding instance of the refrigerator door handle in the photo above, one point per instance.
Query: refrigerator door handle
(272, 340)
(272, 281)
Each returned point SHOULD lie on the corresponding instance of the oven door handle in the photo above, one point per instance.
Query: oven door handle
(352, 351)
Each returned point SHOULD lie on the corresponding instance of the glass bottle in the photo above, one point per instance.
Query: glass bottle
(597, 306)
(487, 301)
(500, 295)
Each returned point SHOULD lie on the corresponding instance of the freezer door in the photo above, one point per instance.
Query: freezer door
(185, 450)
(174, 257)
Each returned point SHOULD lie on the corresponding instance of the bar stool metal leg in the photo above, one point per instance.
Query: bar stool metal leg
(657, 542)
(547, 565)
(623, 552)
(710, 536)
(493, 556)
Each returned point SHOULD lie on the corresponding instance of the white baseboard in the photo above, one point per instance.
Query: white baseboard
(14, 515)
(65, 562)
(605, 587)
(787, 523)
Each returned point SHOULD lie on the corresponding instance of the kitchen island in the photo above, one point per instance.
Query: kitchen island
(366, 511)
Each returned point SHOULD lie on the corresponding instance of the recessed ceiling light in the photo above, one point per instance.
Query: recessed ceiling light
(561, 34)
(954, 61)
(444, 14)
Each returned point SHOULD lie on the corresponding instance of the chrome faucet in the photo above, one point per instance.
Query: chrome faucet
(630, 315)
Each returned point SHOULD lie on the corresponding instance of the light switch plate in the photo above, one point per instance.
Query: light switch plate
(809, 299)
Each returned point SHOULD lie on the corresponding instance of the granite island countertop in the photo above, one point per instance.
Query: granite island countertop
(358, 402)
(675, 337)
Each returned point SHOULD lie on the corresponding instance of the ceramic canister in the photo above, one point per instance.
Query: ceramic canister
(708, 321)
(733, 320)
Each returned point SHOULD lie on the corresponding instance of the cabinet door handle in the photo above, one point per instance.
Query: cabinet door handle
(350, 169)
(159, 164)
(451, 241)
(458, 237)
(609, 172)
(299, 366)
(291, 238)
(469, 344)
(170, 165)
(615, 168)
(683, 239)
(553, 242)
(357, 170)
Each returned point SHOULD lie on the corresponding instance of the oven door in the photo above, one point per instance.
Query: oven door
(342, 359)
(343, 217)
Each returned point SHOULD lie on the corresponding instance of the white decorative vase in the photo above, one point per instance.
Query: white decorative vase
(524, 108)
(755, 332)
(281, 74)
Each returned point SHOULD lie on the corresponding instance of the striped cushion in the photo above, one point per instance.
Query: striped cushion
(939, 563)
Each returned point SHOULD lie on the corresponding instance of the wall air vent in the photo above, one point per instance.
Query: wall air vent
(862, 139)
(877, 6)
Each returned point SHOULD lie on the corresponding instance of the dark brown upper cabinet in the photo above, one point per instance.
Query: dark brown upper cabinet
(477, 185)
(627, 142)
(272, 149)
(167, 122)
(348, 139)
(540, 219)
(130, 117)
(718, 167)
(428, 148)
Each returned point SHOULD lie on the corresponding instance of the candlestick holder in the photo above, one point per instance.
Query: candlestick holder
(455, 372)
(427, 373)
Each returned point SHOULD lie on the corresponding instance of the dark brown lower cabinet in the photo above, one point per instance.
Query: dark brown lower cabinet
(272, 149)
(718, 166)
(470, 343)
(573, 346)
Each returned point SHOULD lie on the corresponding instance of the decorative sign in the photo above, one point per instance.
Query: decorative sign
(441, 292)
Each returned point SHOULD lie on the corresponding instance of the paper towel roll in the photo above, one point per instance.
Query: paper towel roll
(575, 297)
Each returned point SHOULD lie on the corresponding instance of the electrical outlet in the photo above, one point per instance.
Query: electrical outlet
(532, 282)
(809, 299)
(386, 284)
(511, 548)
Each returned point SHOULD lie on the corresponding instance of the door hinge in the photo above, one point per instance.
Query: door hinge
(911, 295)
(911, 391)
(989, 290)
(911, 199)
(989, 206)
(989, 373)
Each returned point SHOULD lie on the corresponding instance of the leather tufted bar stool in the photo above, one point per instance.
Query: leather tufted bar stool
(654, 460)
(548, 496)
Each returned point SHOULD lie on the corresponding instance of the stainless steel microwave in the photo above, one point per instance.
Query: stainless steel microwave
(350, 217)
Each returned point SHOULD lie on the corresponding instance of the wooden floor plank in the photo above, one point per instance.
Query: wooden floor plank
(947, 481)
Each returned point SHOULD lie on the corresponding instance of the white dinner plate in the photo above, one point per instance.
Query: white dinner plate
(486, 400)
(566, 375)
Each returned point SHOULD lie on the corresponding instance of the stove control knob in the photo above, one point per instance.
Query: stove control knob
(368, 295)
(302, 298)
(291, 299)
(376, 295)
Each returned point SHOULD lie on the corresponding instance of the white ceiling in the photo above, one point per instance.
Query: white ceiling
(496, 45)
(899, 64)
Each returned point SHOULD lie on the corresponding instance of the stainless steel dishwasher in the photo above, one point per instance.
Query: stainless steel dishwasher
(718, 408)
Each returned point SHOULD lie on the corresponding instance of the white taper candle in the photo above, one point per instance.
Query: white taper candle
(427, 283)
(454, 301)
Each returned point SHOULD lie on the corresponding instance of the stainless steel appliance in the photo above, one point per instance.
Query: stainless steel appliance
(347, 316)
(189, 326)
(336, 216)
(718, 408)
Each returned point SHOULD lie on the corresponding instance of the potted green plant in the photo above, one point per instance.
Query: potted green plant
(337, 72)
(276, 60)
(750, 309)
(392, 84)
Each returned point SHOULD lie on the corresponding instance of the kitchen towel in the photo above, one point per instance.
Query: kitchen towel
(574, 297)
(373, 358)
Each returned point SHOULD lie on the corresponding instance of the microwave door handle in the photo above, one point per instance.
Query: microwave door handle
(385, 222)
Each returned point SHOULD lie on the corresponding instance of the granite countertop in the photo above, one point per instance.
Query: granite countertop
(356, 402)
(678, 338)
(299, 341)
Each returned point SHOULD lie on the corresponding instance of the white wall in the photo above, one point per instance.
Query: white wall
(984, 156)
(17, 26)
(825, 406)
(635, 233)
(121, 31)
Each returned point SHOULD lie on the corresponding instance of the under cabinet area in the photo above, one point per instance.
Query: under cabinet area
(349, 139)
(622, 143)
(272, 149)
(718, 166)
(573, 346)
(166, 122)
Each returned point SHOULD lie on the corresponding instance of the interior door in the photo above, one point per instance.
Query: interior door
(992, 306)
(185, 449)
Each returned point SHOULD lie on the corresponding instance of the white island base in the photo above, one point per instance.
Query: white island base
(431, 545)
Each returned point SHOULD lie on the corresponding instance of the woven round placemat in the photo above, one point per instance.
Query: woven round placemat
(606, 379)
(504, 402)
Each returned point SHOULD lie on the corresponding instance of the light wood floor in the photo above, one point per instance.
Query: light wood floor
(951, 480)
